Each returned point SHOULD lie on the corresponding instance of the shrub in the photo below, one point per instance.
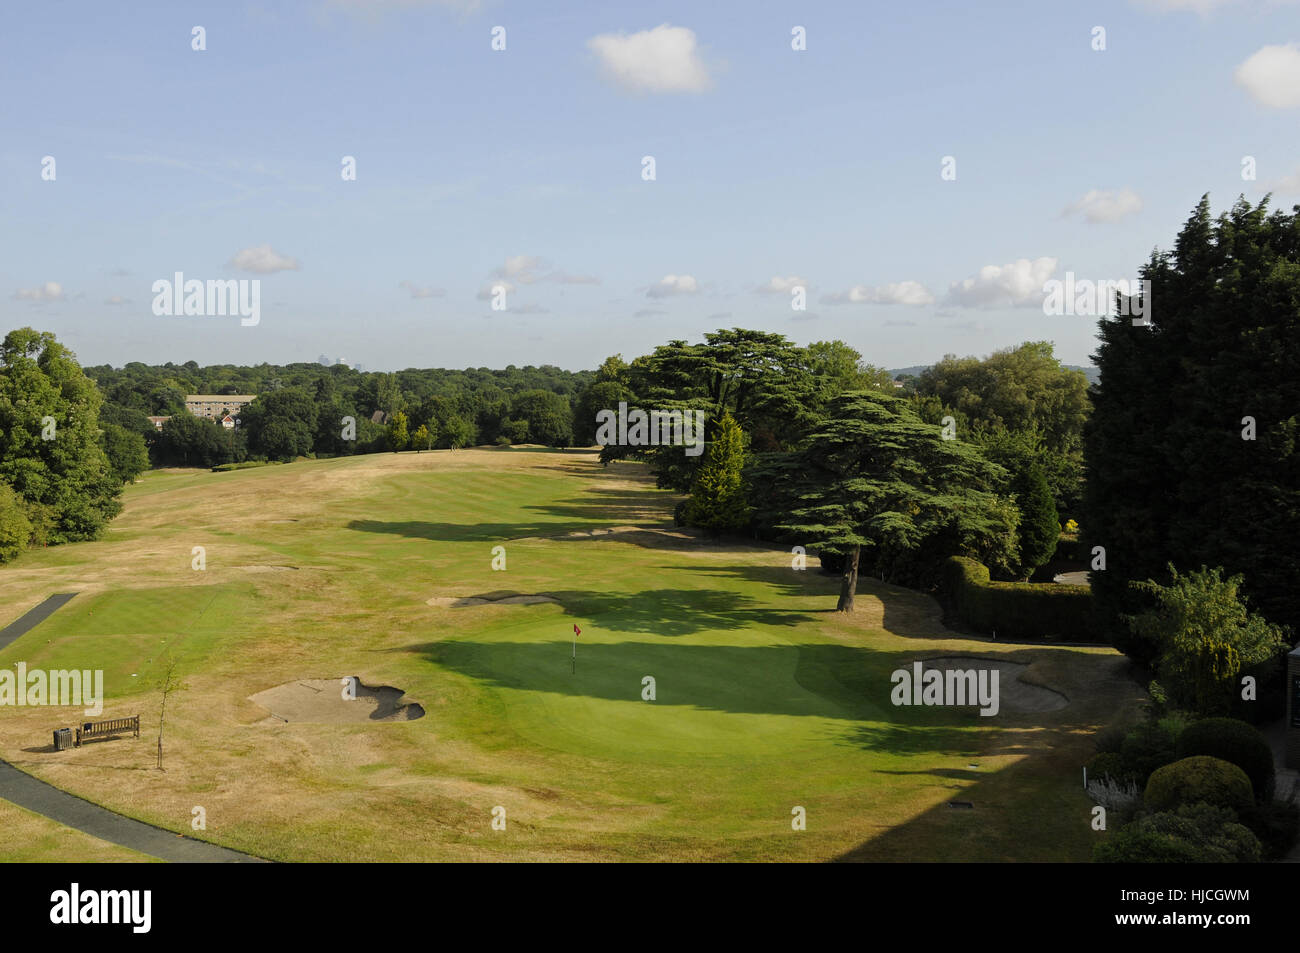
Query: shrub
(1147, 746)
(1111, 764)
(1205, 634)
(1196, 780)
(1018, 610)
(15, 528)
(1194, 834)
(1111, 738)
(1117, 797)
(1235, 742)
(1276, 824)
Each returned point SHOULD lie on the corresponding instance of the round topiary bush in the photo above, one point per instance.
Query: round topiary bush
(1235, 742)
(1199, 780)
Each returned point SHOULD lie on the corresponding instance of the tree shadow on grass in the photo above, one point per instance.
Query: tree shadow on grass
(621, 504)
(666, 612)
(844, 683)
(903, 612)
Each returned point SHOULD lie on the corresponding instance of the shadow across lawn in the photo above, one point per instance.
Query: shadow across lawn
(673, 612)
(845, 683)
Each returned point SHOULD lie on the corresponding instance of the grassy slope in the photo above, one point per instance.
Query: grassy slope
(766, 699)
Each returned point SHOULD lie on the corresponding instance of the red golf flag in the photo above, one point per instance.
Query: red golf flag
(576, 631)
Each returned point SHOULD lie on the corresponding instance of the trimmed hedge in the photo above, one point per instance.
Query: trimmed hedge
(1018, 610)
(1235, 742)
(1196, 780)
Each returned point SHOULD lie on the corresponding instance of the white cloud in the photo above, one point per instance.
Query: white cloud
(422, 291)
(899, 292)
(263, 260)
(1019, 283)
(673, 285)
(779, 285)
(663, 60)
(1107, 206)
(1272, 76)
(117, 300)
(489, 290)
(50, 291)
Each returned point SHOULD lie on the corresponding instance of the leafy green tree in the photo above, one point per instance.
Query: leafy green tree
(1203, 636)
(601, 395)
(549, 416)
(190, 441)
(1023, 391)
(422, 439)
(15, 529)
(50, 451)
(281, 424)
(718, 497)
(1192, 443)
(876, 477)
(760, 378)
(838, 368)
(126, 451)
(395, 432)
(457, 433)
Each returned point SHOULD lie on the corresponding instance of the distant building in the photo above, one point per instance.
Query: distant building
(378, 417)
(215, 406)
(228, 422)
(158, 422)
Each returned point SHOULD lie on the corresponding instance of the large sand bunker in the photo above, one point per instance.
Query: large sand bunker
(323, 701)
(1014, 693)
(502, 597)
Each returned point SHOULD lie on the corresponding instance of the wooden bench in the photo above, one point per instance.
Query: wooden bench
(105, 729)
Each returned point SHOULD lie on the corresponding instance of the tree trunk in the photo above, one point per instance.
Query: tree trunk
(849, 581)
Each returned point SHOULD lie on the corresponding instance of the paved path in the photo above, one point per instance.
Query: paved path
(45, 799)
(29, 620)
(41, 798)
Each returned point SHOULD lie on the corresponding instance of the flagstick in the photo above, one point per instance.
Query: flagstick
(575, 653)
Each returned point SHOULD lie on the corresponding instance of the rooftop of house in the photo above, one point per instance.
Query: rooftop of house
(216, 398)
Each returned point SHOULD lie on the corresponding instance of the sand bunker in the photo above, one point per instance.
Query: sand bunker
(1013, 693)
(321, 701)
(504, 597)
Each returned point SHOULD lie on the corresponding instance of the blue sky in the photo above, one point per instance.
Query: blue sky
(475, 167)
